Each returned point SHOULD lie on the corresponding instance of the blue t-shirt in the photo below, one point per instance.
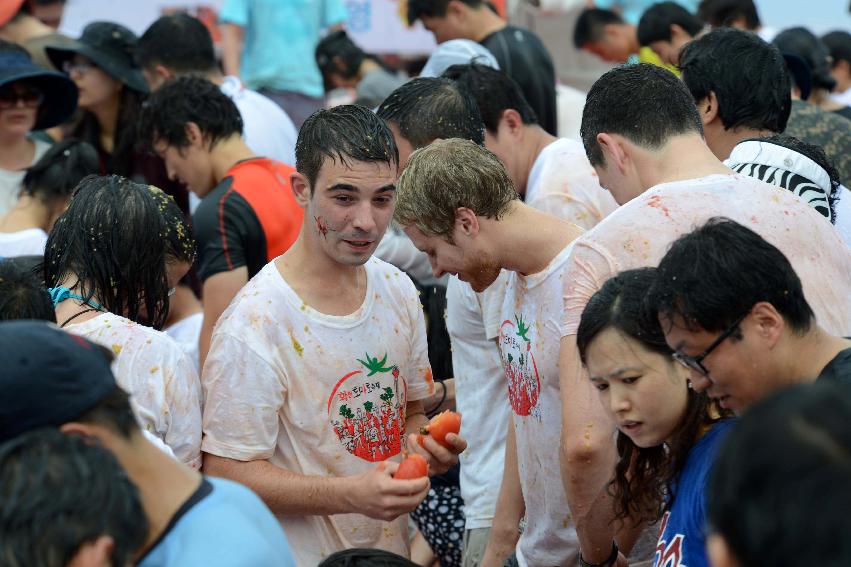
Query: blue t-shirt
(682, 531)
(279, 45)
(223, 524)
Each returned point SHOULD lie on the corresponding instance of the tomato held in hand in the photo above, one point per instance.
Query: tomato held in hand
(441, 425)
(414, 466)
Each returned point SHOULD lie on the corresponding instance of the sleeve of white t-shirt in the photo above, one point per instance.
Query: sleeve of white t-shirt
(242, 397)
(589, 266)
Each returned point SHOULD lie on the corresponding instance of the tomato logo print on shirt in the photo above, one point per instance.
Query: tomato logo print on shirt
(669, 553)
(524, 384)
(367, 411)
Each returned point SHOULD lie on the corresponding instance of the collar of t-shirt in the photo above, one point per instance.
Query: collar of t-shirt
(203, 490)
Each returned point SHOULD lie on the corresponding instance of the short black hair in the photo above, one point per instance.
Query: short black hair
(53, 178)
(433, 8)
(336, 53)
(177, 41)
(188, 99)
(784, 465)
(644, 103)
(590, 24)
(722, 13)
(656, 22)
(804, 43)
(755, 92)
(346, 132)
(22, 294)
(60, 492)
(113, 412)
(428, 108)
(839, 44)
(494, 93)
(714, 275)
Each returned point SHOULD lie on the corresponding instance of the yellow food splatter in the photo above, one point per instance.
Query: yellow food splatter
(116, 348)
(296, 345)
(154, 369)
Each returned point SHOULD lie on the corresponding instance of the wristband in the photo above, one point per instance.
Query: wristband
(440, 403)
(609, 562)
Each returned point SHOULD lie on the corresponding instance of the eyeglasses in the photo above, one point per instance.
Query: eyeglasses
(696, 362)
(30, 96)
(81, 67)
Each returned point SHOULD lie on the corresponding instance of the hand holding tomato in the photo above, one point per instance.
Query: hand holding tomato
(380, 494)
(414, 466)
(439, 442)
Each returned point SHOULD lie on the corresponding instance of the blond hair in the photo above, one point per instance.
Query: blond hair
(445, 176)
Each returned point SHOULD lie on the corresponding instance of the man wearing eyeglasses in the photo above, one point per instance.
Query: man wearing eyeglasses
(735, 313)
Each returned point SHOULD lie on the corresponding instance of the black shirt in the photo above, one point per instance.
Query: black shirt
(523, 57)
(838, 370)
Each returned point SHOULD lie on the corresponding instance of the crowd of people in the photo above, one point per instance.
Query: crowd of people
(228, 309)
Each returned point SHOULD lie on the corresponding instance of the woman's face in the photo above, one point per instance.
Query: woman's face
(96, 87)
(644, 392)
(19, 103)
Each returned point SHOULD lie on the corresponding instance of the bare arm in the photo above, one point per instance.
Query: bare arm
(232, 37)
(510, 507)
(218, 291)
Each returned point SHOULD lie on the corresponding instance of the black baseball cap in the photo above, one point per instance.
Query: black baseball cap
(48, 377)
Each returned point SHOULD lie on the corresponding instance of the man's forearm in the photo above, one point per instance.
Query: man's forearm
(232, 35)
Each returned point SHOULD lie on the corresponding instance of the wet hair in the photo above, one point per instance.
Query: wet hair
(656, 22)
(123, 156)
(839, 44)
(60, 492)
(753, 93)
(722, 13)
(644, 103)
(494, 93)
(434, 8)
(803, 43)
(184, 100)
(428, 108)
(346, 132)
(52, 178)
(784, 466)
(336, 53)
(112, 412)
(643, 486)
(179, 42)
(22, 295)
(366, 558)
(590, 24)
(712, 276)
(114, 241)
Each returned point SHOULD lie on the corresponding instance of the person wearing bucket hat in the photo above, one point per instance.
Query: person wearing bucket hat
(31, 98)
(112, 89)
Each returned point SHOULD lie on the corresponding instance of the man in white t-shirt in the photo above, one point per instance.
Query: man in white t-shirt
(457, 204)
(178, 44)
(644, 136)
(316, 370)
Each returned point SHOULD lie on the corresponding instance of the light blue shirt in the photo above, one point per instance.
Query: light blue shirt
(279, 47)
(631, 10)
(223, 524)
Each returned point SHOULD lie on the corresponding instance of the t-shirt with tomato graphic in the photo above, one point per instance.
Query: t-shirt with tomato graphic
(318, 394)
(529, 341)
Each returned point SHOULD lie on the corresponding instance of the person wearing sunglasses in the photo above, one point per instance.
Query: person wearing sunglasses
(735, 314)
(31, 98)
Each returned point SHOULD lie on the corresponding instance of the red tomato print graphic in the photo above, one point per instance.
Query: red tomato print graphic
(524, 384)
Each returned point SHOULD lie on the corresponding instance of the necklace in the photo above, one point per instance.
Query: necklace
(72, 317)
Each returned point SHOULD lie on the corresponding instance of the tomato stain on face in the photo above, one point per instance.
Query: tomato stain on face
(321, 226)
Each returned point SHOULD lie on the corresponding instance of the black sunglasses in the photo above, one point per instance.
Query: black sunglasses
(696, 362)
(30, 96)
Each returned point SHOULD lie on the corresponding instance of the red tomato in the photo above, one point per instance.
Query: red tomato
(441, 425)
(414, 466)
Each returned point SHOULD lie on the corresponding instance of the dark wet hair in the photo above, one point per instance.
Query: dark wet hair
(336, 53)
(22, 295)
(590, 24)
(722, 13)
(115, 239)
(434, 8)
(177, 41)
(184, 100)
(126, 132)
(53, 178)
(644, 103)
(656, 22)
(494, 93)
(802, 42)
(428, 108)
(60, 492)
(778, 492)
(755, 92)
(113, 412)
(644, 481)
(712, 276)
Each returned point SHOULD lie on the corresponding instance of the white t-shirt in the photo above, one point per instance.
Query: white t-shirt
(480, 393)
(164, 388)
(10, 181)
(28, 242)
(529, 341)
(317, 394)
(187, 333)
(563, 183)
(639, 233)
(267, 129)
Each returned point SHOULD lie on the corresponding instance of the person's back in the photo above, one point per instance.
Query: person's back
(826, 129)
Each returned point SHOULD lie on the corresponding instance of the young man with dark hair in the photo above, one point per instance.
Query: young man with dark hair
(519, 52)
(317, 370)
(247, 214)
(55, 379)
(47, 475)
(665, 28)
(178, 45)
(839, 44)
(736, 314)
(643, 135)
(739, 14)
(22, 295)
(605, 34)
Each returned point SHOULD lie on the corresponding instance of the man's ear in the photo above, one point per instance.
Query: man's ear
(613, 150)
(163, 72)
(194, 135)
(94, 553)
(719, 552)
(466, 222)
(768, 322)
(512, 122)
(301, 189)
(457, 9)
(84, 430)
(708, 108)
